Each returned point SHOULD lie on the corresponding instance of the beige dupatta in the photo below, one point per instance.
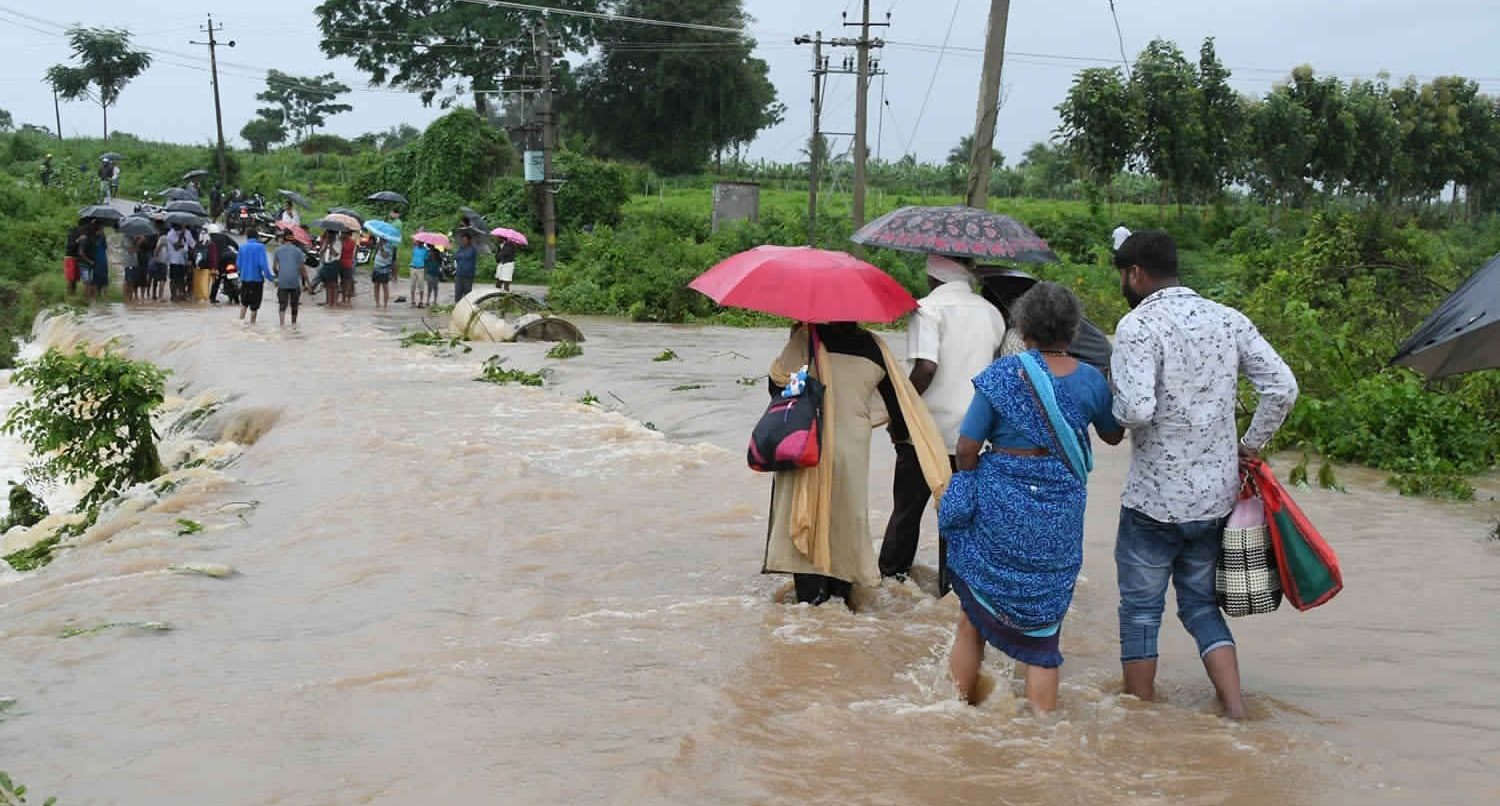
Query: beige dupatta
(812, 494)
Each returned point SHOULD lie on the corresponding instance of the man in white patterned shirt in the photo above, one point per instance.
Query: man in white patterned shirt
(1175, 372)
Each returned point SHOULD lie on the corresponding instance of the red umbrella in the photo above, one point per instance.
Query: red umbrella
(805, 284)
(297, 232)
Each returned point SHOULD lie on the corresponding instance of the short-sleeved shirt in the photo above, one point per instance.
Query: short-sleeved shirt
(1085, 385)
(347, 248)
(289, 262)
(180, 244)
(419, 256)
(253, 266)
(961, 332)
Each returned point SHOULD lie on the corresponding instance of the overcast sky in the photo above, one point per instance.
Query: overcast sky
(1260, 40)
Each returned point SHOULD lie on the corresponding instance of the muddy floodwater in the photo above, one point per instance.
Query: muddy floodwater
(428, 590)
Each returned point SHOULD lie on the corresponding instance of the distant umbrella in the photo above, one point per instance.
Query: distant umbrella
(354, 223)
(295, 232)
(297, 198)
(384, 231)
(432, 239)
(386, 196)
(330, 224)
(137, 226)
(1002, 286)
(348, 211)
(186, 220)
(111, 156)
(510, 235)
(186, 207)
(179, 194)
(100, 212)
(195, 174)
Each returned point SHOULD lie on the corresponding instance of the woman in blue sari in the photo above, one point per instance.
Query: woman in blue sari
(1013, 515)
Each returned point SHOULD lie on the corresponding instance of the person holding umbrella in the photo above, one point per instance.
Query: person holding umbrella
(386, 237)
(951, 338)
(180, 247)
(289, 214)
(820, 515)
(505, 264)
(93, 259)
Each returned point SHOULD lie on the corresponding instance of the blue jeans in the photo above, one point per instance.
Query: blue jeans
(1148, 553)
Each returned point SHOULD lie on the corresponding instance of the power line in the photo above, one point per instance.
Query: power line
(692, 26)
(1120, 36)
(931, 83)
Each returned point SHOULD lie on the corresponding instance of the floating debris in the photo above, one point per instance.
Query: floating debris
(143, 626)
(215, 570)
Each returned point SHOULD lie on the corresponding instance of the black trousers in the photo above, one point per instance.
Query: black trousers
(910, 495)
(816, 589)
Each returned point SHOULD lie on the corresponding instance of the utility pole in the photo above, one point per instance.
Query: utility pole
(982, 155)
(57, 110)
(862, 106)
(815, 144)
(213, 63)
(549, 142)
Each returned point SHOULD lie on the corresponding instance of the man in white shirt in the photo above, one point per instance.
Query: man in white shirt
(951, 338)
(1120, 235)
(1175, 370)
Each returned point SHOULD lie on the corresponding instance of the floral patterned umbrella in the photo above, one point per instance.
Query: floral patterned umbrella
(956, 231)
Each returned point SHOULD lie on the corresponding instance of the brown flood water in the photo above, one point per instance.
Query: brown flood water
(454, 592)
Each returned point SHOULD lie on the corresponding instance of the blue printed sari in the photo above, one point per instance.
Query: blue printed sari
(1014, 525)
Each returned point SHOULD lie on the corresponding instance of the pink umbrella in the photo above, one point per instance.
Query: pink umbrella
(509, 235)
(808, 285)
(432, 239)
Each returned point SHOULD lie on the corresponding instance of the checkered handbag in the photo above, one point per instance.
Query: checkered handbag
(1246, 582)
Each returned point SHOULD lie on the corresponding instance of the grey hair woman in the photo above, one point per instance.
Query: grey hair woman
(1013, 515)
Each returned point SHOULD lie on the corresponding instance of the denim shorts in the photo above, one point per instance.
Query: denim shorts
(1148, 554)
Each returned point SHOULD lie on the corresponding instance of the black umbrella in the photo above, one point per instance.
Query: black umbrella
(187, 207)
(386, 196)
(958, 231)
(179, 194)
(111, 156)
(1002, 286)
(348, 211)
(137, 225)
(186, 219)
(100, 212)
(301, 200)
(194, 174)
(1463, 334)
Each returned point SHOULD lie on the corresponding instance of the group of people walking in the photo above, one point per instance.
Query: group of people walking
(994, 418)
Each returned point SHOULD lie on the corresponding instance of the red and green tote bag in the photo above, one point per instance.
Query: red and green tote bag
(1310, 574)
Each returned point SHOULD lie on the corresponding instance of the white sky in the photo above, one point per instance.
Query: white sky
(1261, 40)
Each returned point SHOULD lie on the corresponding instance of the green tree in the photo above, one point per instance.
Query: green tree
(1333, 127)
(106, 63)
(1480, 167)
(6, 121)
(1377, 139)
(1098, 128)
(705, 88)
(89, 417)
(1045, 171)
(1282, 142)
(447, 48)
(1225, 124)
(959, 155)
(304, 102)
(264, 131)
(1165, 86)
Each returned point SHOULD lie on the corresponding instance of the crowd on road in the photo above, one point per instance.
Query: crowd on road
(998, 427)
(180, 252)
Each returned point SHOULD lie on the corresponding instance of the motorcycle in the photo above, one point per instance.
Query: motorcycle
(247, 213)
(149, 208)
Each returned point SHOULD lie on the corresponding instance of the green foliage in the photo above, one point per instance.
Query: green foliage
(25, 509)
(33, 558)
(459, 153)
(106, 63)
(187, 526)
(89, 416)
(565, 349)
(264, 132)
(303, 102)
(666, 355)
(705, 87)
(432, 338)
(1098, 122)
(589, 399)
(446, 48)
(495, 371)
(13, 794)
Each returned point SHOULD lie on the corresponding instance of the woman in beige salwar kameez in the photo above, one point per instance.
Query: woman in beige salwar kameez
(820, 520)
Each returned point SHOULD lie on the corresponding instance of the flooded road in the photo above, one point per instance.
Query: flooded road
(455, 592)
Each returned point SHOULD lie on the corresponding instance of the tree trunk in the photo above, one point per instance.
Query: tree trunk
(105, 109)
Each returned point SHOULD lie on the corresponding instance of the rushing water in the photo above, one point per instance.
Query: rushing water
(453, 592)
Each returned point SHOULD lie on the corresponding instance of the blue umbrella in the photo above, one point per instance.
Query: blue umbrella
(384, 231)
